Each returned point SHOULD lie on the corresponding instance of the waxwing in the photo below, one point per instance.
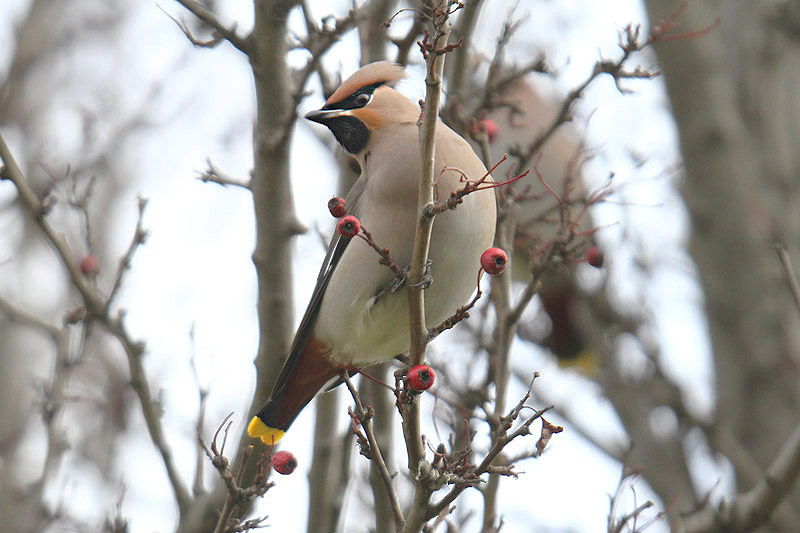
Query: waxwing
(564, 309)
(357, 315)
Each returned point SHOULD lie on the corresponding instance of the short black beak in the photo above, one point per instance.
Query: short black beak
(351, 132)
(323, 116)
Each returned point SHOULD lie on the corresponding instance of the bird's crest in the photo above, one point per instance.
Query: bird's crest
(378, 72)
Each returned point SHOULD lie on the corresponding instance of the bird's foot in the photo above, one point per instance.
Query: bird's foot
(398, 282)
(427, 276)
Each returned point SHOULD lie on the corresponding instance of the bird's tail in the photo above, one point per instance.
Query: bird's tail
(302, 376)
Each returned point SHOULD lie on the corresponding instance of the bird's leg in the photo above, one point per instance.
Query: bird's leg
(401, 280)
(427, 276)
(394, 285)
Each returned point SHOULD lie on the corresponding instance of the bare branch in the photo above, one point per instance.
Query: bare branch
(20, 316)
(221, 31)
(210, 43)
(788, 271)
(139, 236)
(213, 174)
(98, 309)
(37, 210)
(434, 53)
(753, 508)
(372, 451)
(629, 44)
(237, 494)
(405, 43)
(318, 42)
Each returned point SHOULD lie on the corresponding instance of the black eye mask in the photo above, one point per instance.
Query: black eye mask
(353, 101)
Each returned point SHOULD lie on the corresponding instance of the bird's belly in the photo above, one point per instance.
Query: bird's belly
(362, 328)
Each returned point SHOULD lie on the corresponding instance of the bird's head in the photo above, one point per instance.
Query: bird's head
(363, 104)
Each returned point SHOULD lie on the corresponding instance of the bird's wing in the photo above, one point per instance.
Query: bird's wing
(338, 243)
(336, 248)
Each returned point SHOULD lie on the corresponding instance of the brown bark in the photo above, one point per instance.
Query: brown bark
(275, 221)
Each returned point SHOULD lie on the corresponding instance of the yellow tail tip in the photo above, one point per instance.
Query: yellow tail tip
(258, 429)
(586, 362)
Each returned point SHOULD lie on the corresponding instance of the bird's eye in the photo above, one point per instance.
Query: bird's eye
(363, 99)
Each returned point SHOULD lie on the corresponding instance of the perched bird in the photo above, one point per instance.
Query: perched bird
(357, 315)
(564, 311)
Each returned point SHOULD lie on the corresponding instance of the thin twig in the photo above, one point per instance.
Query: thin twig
(788, 271)
(430, 117)
(52, 394)
(236, 494)
(365, 419)
(229, 34)
(405, 43)
(30, 320)
(139, 236)
(37, 210)
(213, 174)
(215, 39)
(197, 485)
(318, 42)
(498, 444)
(629, 43)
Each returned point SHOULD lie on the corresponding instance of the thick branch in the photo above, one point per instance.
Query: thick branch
(430, 117)
(753, 508)
(434, 56)
(422, 237)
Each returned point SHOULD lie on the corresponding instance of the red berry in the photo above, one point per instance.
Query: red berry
(349, 226)
(494, 261)
(90, 266)
(337, 207)
(595, 257)
(491, 127)
(421, 377)
(284, 462)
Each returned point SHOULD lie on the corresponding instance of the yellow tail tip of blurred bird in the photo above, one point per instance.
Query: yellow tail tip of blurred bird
(269, 436)
(586, 362)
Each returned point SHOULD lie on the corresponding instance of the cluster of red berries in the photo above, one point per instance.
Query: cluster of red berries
(348, 225)
(493, 260)
(420, 378)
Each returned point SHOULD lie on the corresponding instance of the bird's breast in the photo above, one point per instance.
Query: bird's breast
(358, 318)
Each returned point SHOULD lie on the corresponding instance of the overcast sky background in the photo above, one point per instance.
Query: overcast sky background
(195, 270)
